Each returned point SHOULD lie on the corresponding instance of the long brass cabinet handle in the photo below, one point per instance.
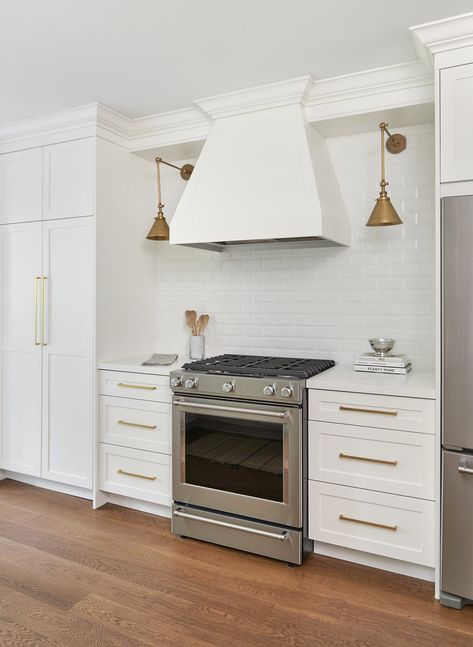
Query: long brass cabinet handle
(43, 279)
(366, 459)
(343, 517)
(146, 387)
(384, 412)
(138, 476)
(136, 424)
(36, 340)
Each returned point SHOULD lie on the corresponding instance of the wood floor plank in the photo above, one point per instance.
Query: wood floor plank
(116, 576)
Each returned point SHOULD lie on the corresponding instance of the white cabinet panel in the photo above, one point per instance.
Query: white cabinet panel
(396, 462)
(135, 424)
(394, 526)
(68, 388)
(135, 473)
(20, 357)
(456, 134)
(21, 186)
(69, 180)
(365, 409)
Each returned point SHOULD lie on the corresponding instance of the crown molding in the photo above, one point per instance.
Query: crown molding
(369, 91)
(46, 129)
(261, 97)
(381, 88)
(446, 34)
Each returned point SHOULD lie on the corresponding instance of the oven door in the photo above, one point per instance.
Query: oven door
(239, 457)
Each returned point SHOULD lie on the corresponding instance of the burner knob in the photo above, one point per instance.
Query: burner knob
(227, 387)
(269, 389)
(286, 391)
(190, 384)
(176, 381)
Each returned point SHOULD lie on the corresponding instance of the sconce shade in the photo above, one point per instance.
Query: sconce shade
(383, 214)
(159, 230)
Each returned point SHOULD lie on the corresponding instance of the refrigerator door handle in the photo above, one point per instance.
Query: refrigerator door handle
(465, 470)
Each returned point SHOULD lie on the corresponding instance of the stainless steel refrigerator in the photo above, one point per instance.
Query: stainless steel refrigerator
(457, 402)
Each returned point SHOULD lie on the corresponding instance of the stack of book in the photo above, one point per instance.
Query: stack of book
(372, 363)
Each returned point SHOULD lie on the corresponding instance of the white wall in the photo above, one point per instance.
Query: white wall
(318, 302)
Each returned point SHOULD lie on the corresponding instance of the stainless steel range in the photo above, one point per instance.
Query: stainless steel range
(239, 453)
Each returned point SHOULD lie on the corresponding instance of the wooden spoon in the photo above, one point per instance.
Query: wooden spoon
(204, 322)
(191, 316)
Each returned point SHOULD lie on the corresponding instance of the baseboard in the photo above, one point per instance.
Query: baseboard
(375, 561)
(135, 504)
(72, 490)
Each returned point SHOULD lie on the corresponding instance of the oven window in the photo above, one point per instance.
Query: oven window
(241, 456)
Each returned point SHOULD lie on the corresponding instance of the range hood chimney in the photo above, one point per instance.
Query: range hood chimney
(264, 176)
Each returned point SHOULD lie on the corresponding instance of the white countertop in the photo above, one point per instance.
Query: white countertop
(417, 384)
(133, 365)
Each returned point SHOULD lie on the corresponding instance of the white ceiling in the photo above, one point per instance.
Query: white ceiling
(143, 57)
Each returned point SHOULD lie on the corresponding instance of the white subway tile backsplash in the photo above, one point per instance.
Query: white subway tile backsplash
(319, 302)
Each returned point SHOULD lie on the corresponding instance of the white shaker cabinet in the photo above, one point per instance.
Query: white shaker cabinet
(69, 179)
(21, 186)
(68, 362)
(456, 133)
(20, 350)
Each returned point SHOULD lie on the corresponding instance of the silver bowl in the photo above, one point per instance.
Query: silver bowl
(382, 346)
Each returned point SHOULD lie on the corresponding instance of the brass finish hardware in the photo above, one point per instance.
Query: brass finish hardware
(368, 460)
(384, 213)
(36, 342)
(384, 412)
(43, 279)
(139, 476)
(137, 386)
(343, 517)
(160, 228)
(136, 424)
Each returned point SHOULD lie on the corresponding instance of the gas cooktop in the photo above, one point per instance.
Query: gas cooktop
(260, 366)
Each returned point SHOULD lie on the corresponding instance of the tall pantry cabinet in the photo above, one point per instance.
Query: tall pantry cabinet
(73, 263)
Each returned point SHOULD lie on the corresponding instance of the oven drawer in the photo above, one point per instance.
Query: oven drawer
(135, 473)
(135, 424)
(383, 524)
(368, 410)
(138, 386)
(397, 462)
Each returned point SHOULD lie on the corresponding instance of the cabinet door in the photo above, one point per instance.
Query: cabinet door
(69, 179)
(456, 134)
(68, 369)
(20, 353)
(21, 186)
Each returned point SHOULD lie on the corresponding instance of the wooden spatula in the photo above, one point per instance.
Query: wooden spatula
(191, 316)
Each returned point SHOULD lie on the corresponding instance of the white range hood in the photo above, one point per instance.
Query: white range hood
(264, 176)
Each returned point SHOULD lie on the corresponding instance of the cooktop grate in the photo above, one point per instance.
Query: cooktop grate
(260, 366)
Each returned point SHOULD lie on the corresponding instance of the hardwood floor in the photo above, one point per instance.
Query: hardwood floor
(71, 576)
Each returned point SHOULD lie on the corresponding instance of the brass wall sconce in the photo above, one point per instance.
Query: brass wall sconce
(384, 214)
(160, 228)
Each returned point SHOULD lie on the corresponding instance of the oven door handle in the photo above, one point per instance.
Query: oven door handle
(282, 415)
(233, 526)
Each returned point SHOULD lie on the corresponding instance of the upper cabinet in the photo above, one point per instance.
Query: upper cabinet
(21, 186)
(69, 173)
(456, 133)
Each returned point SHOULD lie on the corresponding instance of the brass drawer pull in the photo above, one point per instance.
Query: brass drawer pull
(138, 386)
(343, 517)
(139, 476)
(384, 412)
(368, 460)
(136, 424)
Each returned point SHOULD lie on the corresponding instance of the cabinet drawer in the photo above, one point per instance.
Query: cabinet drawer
(135, 473)
(397, 462)
(383, 524)
(135, 424)
(368, 410)
(138, 386)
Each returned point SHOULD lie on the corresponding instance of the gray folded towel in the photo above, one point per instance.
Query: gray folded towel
(158, 359)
